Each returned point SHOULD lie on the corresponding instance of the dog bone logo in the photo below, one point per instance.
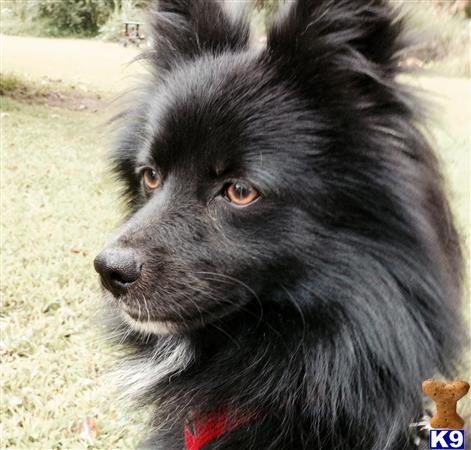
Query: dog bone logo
(445, 396)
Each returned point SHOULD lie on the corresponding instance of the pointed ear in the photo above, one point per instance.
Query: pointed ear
(310, 31)
(185, 29)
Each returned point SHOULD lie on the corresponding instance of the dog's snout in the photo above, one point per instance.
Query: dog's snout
(118, 268)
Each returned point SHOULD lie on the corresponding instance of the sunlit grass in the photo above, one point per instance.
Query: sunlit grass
(57, 210)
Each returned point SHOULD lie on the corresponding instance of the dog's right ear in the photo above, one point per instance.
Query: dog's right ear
(185, 29)
(364, 36)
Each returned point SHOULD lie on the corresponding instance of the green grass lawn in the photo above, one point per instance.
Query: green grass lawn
(57, 211)
(58, 208)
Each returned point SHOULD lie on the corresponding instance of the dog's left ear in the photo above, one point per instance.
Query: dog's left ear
(185, 29)
(311, 34)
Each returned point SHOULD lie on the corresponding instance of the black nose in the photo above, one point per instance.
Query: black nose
(118, 268)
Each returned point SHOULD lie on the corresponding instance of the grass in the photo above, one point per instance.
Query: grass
(51, 92)
(57, 211)
(12, 84)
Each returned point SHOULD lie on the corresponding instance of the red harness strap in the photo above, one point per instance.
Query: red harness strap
(201, 431)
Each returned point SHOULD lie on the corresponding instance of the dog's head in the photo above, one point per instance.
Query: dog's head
(242, 165)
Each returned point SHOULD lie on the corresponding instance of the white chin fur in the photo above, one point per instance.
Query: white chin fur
(137, 376)
(149, 327)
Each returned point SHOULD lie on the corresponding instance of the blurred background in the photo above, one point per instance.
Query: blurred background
(63, 63)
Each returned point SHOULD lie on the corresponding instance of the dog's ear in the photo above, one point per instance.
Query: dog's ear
(319, 32)
(185, 29)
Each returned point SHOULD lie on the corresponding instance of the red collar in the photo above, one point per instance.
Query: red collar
(198, 432)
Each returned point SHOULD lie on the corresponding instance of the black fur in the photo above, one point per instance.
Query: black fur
(322, 306)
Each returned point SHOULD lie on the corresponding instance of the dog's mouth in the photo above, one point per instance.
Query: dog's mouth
(140, 319)
(150, 326)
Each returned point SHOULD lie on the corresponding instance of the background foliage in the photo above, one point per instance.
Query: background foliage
(82, 17)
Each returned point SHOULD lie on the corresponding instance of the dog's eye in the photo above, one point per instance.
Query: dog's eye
(240, 193)
(151, 178)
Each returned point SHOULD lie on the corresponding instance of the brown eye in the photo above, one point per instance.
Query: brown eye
(151, 178)
(241, 193)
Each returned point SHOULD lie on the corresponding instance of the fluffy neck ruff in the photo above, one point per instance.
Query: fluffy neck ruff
(311, 377)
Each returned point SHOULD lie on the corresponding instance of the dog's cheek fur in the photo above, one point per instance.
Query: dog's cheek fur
(199, 271)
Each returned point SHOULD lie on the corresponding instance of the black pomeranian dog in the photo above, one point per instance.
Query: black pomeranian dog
(289, 272)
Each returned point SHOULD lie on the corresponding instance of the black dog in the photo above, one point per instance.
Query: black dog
(289, 272)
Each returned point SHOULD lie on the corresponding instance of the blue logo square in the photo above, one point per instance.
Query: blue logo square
(446, 439)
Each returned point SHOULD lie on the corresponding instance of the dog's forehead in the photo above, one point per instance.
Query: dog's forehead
(231, 114)
(197, 109)
(217, 109)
